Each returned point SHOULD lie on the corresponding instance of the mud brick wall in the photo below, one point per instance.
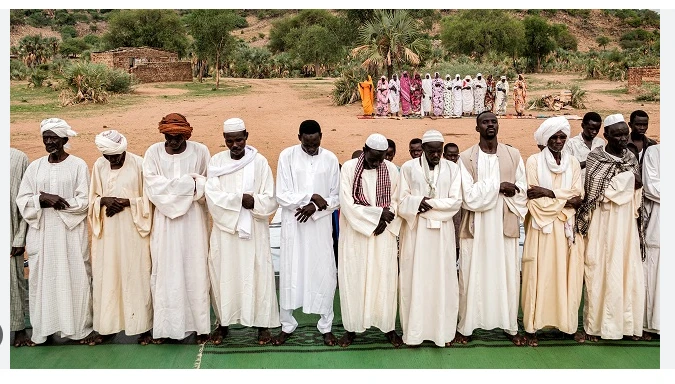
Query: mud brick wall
(638, 75)
(123, 58)
(157, 72)
(102, 58)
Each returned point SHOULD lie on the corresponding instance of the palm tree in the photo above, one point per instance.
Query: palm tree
(391, 38)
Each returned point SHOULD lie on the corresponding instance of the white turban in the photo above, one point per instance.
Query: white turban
(234, 124)
(613, 119)
(503, 77)
(467, 77)
(432, 136)
(377, 142)
(550, 127)
(457, 76)
(111, 142)
(59, 127)
(479, 75)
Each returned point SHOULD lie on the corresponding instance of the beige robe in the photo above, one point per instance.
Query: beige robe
(367, 264)
(429, 287)
(552, 270)
(241, 270)
(615, 295)
(120, 249)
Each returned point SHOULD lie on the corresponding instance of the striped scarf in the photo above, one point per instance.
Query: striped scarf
(383, 189)
(600, 169)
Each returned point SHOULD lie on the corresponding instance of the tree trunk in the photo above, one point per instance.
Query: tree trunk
(217, 69)
(201, 70)
(390, 71)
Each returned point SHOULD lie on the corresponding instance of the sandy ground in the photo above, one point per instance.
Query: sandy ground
(274, 108)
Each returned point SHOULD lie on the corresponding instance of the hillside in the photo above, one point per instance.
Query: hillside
(586, 27)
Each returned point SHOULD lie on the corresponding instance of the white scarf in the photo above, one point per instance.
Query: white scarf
(545, 165)
(246, 162)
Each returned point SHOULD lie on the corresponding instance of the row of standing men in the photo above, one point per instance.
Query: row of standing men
(154, 271)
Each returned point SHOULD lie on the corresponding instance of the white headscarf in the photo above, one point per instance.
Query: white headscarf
(549, 128)
(111, 142)
(59, 127)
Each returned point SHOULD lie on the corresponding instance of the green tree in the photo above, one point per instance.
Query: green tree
(34, 50)
(538, 40)
(73, 47)
(602, 41)
(211, 29)
(477, 32)
(393, 38)
(316, 45)
(563, 38)
(156, 28)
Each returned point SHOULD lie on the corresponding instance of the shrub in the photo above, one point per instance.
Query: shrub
(68, 32)
(18, 70)
(345, 88)
(578, 97)
(649, 92)
(88, 82)
(37, 77)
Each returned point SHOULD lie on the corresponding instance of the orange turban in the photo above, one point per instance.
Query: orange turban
(174, 124)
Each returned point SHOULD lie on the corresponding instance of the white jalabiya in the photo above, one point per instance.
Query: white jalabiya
(447, 97)
(394, 95)
(651, 179)
(240, 268)
(120, 249)
(576, 146)
(57, 244)
(429, 286)
(489, 277)
(179, 240)
(307, 271)
(553, 266)
(426, 94)
(367, 265)
(615, 293)
(479, 95)
(467, 96)
(501, 97)
(457, 97)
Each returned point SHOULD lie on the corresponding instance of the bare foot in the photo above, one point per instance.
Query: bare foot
(92, 339)
(649, 336)
(347, 339)
(461, 339)
(264, 336)
(161, 340)
(394, 338)
(531, 339)
(329, 339)
(582, 336)
(219, 334)
(518, 340)
(145, 338)
(21, 339)
(449, 343)
(280, 338)
(201, 339)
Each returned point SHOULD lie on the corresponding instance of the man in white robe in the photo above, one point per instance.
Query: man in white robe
(457, 97)
(429, 196)
(502, 93)
(174, 172)
(53, 200)
(394, 95)
(426, 95)
(479, 89)
(494, 203)
(651, 179)
(581, 145)
(18, 286)
(467, 96)
(308, 183)
(120, 216)
(240, 197)
(368, 249)
(615, 292)
(553, 259)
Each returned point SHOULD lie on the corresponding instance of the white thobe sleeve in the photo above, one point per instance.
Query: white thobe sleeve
(651, 178)
(363, 219)
(95, 213)
(478, 196)
(333, 198)
(545, 210)
(28, 197)
(141, 208)
(265, 202)
(444, 209)
(621, 188)
(286, 197)
(78, 204)
(518, 202)
(408, 204)
(173, 197)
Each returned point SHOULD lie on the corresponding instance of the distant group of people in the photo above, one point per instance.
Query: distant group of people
(435, 97)
(435, 241)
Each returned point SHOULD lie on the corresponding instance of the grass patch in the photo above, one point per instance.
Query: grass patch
(616, 91)
(649, 92)
(205, 89)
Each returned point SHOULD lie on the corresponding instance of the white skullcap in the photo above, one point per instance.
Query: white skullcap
(234, 124)
(479, 75)
(432, 136)
(613, 119)
(377, 142)
(550, 127)
(503, 77)
(457, 76)
(447, 75)
(59, 127)
(467, 77)
(111, 142)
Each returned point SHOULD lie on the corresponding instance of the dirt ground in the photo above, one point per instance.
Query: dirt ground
(274, 108)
